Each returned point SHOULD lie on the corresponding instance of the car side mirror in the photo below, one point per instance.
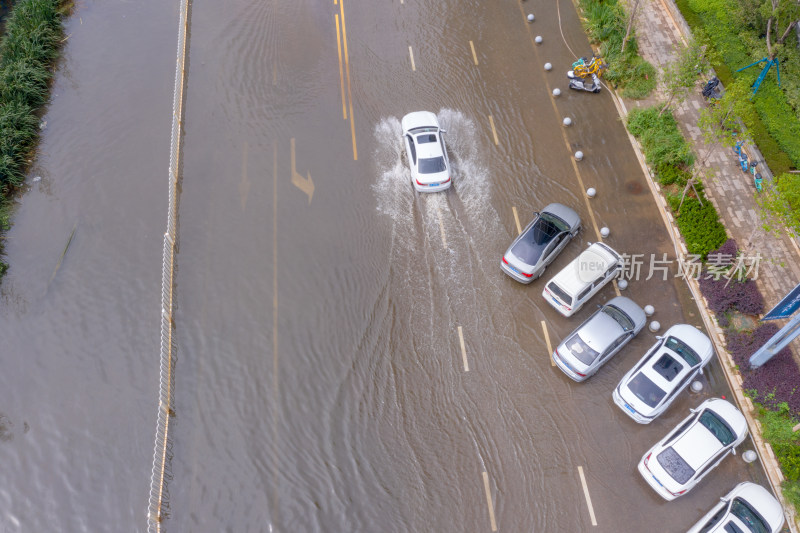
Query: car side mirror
(733, 451)
(659, 337)
(442, 130)
(724, 499)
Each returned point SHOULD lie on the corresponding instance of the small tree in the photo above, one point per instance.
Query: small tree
(782, 17)
(720, 125)
(721, 121)
(630, 25)
(681, 74)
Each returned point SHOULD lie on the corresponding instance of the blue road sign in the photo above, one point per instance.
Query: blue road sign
(786, 307)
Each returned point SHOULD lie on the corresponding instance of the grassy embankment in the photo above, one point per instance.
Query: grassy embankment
(28, 52)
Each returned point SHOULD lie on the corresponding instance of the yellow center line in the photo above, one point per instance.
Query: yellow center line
(411, 54)
(441, 227)
(494, 131)
(341, 70)
(586, 493)
(463, 349)
(489, 501)
(516, 219)
(564, 134)
(349, 91)
(547, 340)
(474, 56)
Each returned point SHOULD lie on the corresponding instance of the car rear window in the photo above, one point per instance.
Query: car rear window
(748, 515)
(581, 350)
(646, 390)
(559, 292)
(674, 465)
(621, 318)
(431, 165)
(667, 367)
(717, 427)
(426, 138)
(683, 350)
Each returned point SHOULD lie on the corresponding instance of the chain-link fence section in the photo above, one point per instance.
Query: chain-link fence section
(158, 504)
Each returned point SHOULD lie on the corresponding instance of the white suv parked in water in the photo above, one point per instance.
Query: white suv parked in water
(568, 290)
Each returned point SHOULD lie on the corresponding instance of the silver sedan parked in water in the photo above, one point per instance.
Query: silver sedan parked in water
(601, 336)
(540, 243)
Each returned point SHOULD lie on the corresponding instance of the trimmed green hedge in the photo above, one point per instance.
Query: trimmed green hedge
(668, 153)
(664, 146)
(27, 52)
(699, 224)
(605, 23)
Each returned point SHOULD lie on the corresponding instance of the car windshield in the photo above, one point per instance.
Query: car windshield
(555, 221)
(717, 427)
(646, 390)
(582, 351)
(560, 294)
(621, 318)
(682, 349)
(530, 246)
(426, 138)
(675, 466)
(748, 516)
(431, 165)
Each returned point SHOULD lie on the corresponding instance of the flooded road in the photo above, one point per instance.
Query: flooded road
(350, 355)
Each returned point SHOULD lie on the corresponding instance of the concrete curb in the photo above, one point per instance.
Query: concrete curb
(768, 461)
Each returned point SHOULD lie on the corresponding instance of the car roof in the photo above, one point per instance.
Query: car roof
(428, 149)
(419, 119)
(648, 369)
(600, 331)
(564, 213)
(697, 445)
(572, 280)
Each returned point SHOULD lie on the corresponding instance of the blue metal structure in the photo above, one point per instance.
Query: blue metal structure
(785, 309)
(764, 71)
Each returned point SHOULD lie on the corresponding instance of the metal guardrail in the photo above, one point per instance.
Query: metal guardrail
(158, 505)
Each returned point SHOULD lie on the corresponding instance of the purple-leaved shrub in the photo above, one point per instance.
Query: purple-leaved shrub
(777, 380)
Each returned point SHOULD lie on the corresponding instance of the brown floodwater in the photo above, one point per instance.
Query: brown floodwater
(320, 382)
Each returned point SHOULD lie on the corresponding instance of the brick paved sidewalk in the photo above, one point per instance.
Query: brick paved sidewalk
(659, 27)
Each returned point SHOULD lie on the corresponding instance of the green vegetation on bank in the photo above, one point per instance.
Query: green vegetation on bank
(734, 29)
(27, 54)
(671, 158)
(777, 428)
(606, 23)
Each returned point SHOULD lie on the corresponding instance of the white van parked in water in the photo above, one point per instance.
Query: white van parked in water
(582, 278)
